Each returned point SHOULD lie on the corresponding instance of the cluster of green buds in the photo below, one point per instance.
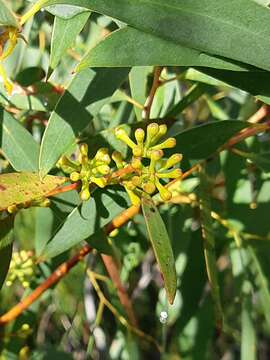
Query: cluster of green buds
(21, 268)
(88, 171)
(150, 168)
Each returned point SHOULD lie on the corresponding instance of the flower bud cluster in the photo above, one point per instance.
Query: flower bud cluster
(149, 169)
(21, 268)
(88, 171)
(149, 165)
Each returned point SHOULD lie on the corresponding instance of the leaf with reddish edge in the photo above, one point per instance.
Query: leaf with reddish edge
(24, 187)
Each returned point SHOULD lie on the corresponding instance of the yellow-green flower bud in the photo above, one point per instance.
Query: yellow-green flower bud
(123, 136)
(136, 163)
(85, 194)
(12, 209)
(155, 156)
(173, 174)
(137, 181)
(173, 160)
(102, 155)
(152, 131)
(161, 132)
(135, 200)
(103, 169)
(149, 188)
(118, 159)
(165, 194)
(139, 136)
(100, 182)
(75, 176)
(167, 144)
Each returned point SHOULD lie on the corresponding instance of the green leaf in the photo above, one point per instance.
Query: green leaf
(248, 341)
(131, 47)
(201, 141)
(82, 100)
(6, 238)
(17, 144)
(7, 17)
(229, 28)
(261, 283)
(19, 188)
(209, 246)
(194, 93)
(64, 35)
(87, 220)
(138, 86)
(161, 245)
(65, 11)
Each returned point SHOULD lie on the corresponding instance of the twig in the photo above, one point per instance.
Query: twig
(63, 269)
(131, 327)
(113, 272)
(149, 101)
(58, 274)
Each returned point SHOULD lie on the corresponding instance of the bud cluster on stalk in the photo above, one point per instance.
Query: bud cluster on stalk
(149, 169)
(21, 268)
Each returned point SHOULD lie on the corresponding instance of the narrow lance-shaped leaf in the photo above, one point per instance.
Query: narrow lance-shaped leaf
(64, 35)
(20, 188)
(17, 144)
(228, 28)
(83, 99)
(161, 245)
(132, 47)
(209, 245)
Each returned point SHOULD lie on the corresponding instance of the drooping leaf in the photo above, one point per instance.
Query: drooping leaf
(64, 35)
(17, 144)
(7, 17)
(86, 220)
(161, 245)
(229, 28)
(131, 47)
(83, 99)
(19, 188)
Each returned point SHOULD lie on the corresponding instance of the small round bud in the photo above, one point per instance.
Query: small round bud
(169, 143)
(156, 155)
(119, 133)
(139, 135)
(162, 130)
(12, 209)
(149, 188)
(136, 180)
(152, 130)
(45, 203)
(165, 194)
(75, 176)
(136, 163)
(85, 195)
(103, 169)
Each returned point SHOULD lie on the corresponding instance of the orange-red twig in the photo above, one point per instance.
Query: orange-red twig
(58, 274)
(64, 268)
